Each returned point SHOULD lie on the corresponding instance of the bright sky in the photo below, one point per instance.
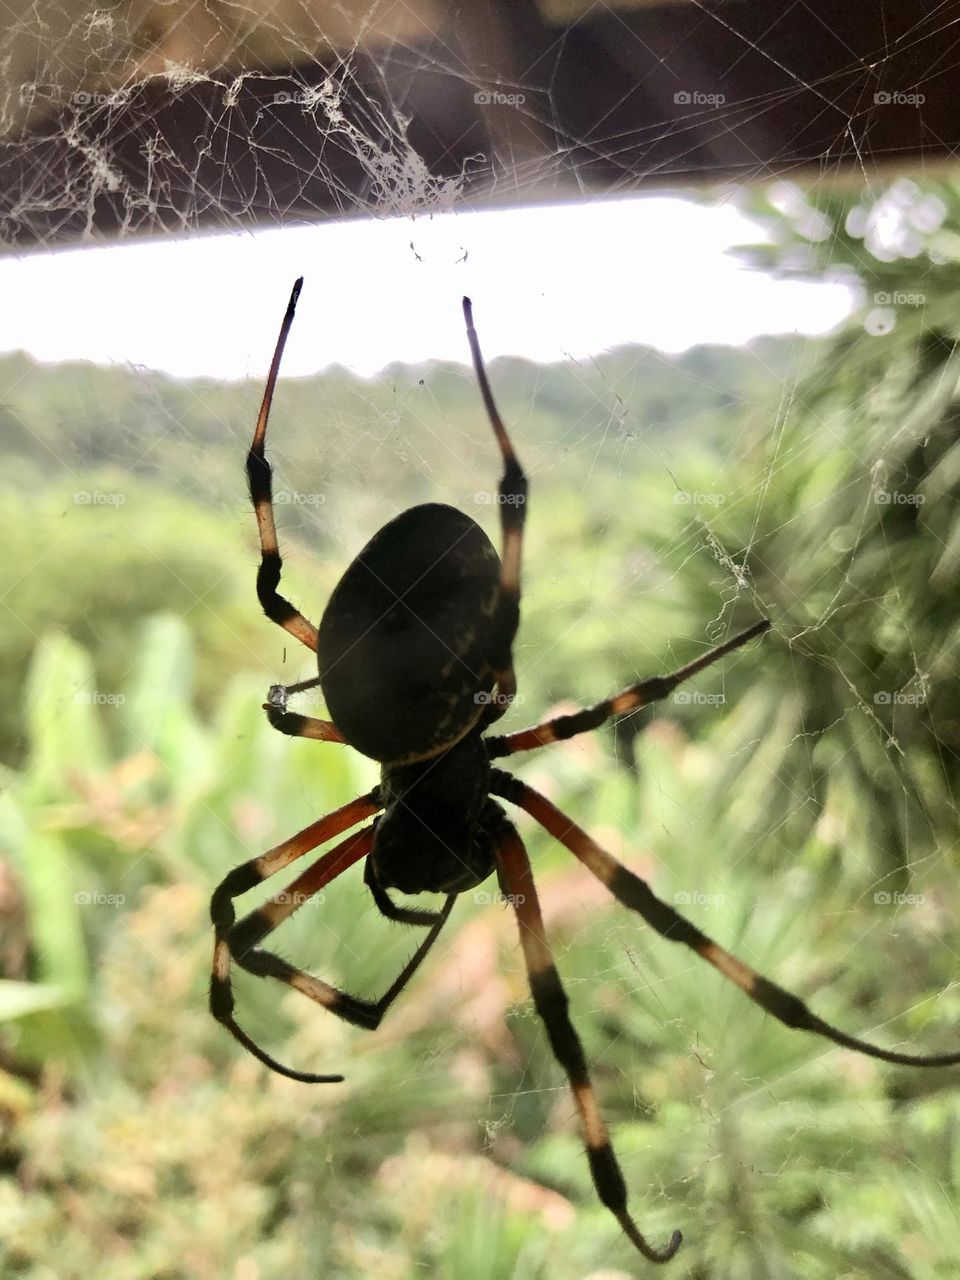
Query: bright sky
(547, 283)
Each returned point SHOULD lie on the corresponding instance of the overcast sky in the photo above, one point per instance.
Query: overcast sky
(547, 283)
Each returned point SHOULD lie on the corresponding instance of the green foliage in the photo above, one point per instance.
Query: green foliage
(855, 546)
(451, 1147)
(94, 555)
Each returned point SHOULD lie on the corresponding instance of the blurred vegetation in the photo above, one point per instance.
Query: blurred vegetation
(801, 800)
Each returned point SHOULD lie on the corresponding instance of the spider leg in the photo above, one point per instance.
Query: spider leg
(636, 894)
(387, 907)
(293, 724)
(638, 695)
(259, 477)
(252, 873)
(512, 500)
(551, 1003)
(367, 1014)
(297, 726)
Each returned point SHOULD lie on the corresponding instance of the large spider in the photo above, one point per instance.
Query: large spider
(415, 664)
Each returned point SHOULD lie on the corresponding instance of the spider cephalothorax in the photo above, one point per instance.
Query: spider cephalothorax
(441, 808)
(415, 663)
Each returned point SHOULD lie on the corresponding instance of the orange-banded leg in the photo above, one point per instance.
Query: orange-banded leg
(297, 726)
(247, 876)
(243, 937)
(550, 999)
(638, 695)
(259, 477)
(636, 894)
(512, 500)
(275, 606)
(291, 722)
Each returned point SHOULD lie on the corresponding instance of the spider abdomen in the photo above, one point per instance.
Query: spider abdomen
(405, 640)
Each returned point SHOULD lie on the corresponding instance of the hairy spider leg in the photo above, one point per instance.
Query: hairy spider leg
(387, 907)
(638, 695)
(551, 1003)
(636, 894)
(512, 500)
(247, 876)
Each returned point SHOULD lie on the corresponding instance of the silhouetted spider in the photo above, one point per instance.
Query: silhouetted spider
(415, 663)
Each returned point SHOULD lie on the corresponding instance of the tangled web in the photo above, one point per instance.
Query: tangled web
(158, 118)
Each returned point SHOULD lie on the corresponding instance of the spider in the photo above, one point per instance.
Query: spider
(415, 662)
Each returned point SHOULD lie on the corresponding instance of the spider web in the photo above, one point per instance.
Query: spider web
(73, 76)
